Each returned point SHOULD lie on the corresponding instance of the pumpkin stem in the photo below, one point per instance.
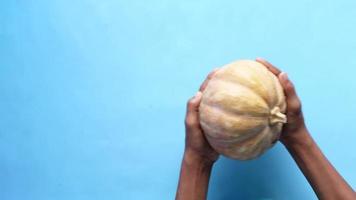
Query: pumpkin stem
(276, 116)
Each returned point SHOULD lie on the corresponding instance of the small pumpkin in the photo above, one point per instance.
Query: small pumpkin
(242, 110)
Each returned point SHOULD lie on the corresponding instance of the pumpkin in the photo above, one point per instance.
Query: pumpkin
(242, 110)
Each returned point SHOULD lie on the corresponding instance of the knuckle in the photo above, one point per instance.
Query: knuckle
(210, 75)
(295, 112)
(189, 122)
(190, 103)
(298, 104)
(202, 86)
(294, 107)
(290, 86)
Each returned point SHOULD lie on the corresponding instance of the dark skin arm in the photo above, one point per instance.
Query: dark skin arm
(326, 182)
(199, 156)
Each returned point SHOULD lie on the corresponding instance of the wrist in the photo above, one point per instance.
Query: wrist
(192, 157)
(301, 137)
(194, 176)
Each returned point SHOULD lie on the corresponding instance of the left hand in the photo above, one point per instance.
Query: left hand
(196, 145)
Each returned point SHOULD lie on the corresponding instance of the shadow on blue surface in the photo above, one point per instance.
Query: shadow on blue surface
(262, 178)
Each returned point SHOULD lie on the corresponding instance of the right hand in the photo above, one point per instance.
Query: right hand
(295, 121)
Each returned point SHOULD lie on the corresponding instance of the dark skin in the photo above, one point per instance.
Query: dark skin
(199, 157)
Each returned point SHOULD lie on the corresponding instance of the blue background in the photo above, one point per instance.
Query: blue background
(93, 93)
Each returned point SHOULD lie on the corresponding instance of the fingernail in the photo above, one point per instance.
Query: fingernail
(284, 76)
(198, 94)
(216, 69)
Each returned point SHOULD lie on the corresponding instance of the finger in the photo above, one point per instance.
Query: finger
(292, 98)
(192, 117)
(206, 81)
(269, 66)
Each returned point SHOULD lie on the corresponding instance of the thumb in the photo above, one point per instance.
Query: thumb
(192, 117)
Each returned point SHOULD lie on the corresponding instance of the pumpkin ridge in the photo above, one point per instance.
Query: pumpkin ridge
(260, 143)
(280, 101)
(230, 137)
(225, 130)
(269, 76)
(234, 139)
(235, 112)
(253, 66)
(273, 99)
(237, 82)
(276, 101)
(255, 95)
(267, 99)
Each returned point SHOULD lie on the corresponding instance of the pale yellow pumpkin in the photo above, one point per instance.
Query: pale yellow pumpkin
(242, 110)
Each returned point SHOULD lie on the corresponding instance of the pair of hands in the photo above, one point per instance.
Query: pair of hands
(198, 148)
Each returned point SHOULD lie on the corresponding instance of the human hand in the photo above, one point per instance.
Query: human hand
(196, 145)
(295, 125)
(199, 156)
(326, 182)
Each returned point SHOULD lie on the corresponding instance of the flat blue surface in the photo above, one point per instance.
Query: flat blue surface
(93, 93)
